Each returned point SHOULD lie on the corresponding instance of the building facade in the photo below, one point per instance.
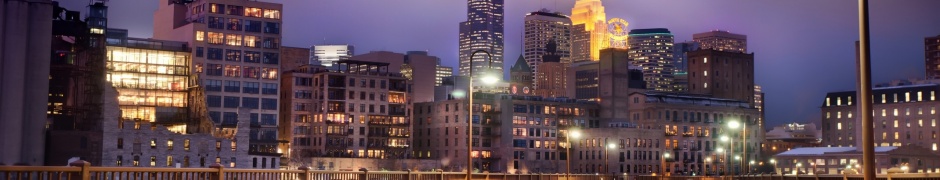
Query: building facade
(483, 30)
(417, 66)
(294, 57)
(521, 78)
(722, 74)
(681, 63)
(551, 81)
(620, 148)
(360, 111)
(652, 51)
(589, 34)
(846, 160)
(236, 58)
(932, 57)
(905, 115)
(693, 126)
(542, 27)
(511, 133)
(326, 54)
(441, 73)
(721, 41)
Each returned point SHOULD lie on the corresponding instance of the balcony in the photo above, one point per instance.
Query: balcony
(688, 161)
(388, 123)
(337, 134)
(687, 134)
(336, 122)
(671, 133)
(399, 135)
(492, 122)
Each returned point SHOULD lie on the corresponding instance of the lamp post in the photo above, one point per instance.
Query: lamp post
(568, 137)
(772, 161)
(749, 165)
(798, 166)
(488, 80)
(607, 156)
(705, 166)
(663, 165)
(728, 162)
(734, 125)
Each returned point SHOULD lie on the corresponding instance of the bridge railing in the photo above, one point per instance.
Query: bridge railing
(83, 171)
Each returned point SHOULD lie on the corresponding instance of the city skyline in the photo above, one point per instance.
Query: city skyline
(808, 38)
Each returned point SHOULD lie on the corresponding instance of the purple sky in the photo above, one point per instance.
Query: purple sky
(803, 48)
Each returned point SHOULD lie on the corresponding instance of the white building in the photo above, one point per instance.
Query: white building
(327, 54)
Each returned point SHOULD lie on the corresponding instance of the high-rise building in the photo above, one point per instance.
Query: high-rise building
(759, 102)
(417, 66)
(552, 80)
(722, 41)
(932, 56)
(652, 51)
(541, 28)
(681, 63)
(722, 74)
(294, 57)
(236, 50)
(442, 72)
(359, 111)
(589, 32)
(327, 54)
(483, 30)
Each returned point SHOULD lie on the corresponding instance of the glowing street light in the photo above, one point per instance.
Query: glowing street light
(572, 133)
(487, 79)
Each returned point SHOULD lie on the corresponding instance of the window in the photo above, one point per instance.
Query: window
(251, 88)
(269, 119)
(839, 126)
(250, 102)
(252, 12)
(252, 56)
(120, 160)
(268, 104)
(216, 8)
(229, 117)
(232, 162)
(233, 40)
(215, 115)
(216, 37)
(271, 43)
(120, 143)
(234, 24)
(214, 54)
(216, 22)
(200, 51)
(272, 28)
(232, 86)
(213, 101)
(268, 73)
(234, 10)
(272, 14)
(169, 144)
(232, 71)
(169, 161)
(269, 58)
(231, 102)
(153, 143)
(251, 72)
(213, 85)
(136, 160)
(200, 36)
(269, 88)
(153, 161)
(186, 145)
(252, 26)
(252, 41)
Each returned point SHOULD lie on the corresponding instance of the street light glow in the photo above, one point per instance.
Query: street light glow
(734, 124)
(575, 134)
(490, 79)
(666, 155)
(611, 145)
(720, 150)
(724, 138)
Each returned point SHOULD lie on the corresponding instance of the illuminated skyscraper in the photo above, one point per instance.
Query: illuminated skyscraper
(722, 41)
(932, 56)
(541, 28)
(589, 34)
(483, 30)
(651, 50)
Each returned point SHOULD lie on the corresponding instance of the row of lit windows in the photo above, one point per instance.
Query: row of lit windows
(241, 11)
(238, 40)
(919, 96)
(884, 112)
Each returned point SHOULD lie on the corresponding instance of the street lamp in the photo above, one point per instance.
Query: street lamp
(571, 134)
(607, 155)
(486, 80)
(705, 167)
(749, 165)
(798, 166)
(663, 165)
(733, 124)
(772, 161)
(723, 156)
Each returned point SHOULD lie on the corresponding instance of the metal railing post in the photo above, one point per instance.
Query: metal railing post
(306, 174)
(84, 174)
(220, 175)
(365, 174)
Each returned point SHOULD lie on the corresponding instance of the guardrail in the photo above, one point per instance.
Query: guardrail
(84, 171)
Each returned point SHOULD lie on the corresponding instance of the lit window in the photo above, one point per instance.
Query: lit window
(216, 38)
(706, 85)
(850, 100)
(186, 144)
(907, 97)
(272, 14)
(233, 40)
(153, 161)
(896, 135)
(827, 101)
(920, 96)
(839, 115)
(200, 36)
(931, 95)
(169, 161)
(234, 145)
(884, 99)
(895, 123)
(169, 144)
(252, 12)
(705, 60)
(153, 143)
(934, 146)
(895, 112)
(884, 112)
(705, 73)
(920, 123)
(850, 114)
(838, 101)
(839, 126)
(252, 41)
(828, 114)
